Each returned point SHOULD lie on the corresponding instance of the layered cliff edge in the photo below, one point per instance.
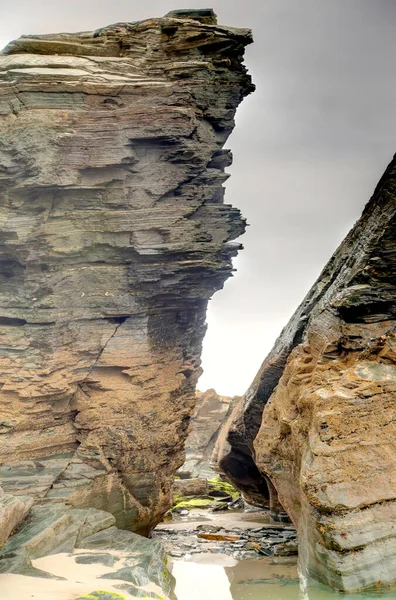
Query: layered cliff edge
(114, 235)
(315, 433)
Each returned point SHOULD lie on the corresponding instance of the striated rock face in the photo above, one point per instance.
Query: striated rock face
(211, 411)
(13, 509)
(328, 431)
(114, 236)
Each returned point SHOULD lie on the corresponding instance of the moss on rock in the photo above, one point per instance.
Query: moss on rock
(102, 595)
(189, 503)
(216, 485)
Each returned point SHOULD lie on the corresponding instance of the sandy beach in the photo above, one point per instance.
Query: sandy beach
(78, 580)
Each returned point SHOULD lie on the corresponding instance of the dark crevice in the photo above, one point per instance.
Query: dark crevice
(12, 322)
(242, 470)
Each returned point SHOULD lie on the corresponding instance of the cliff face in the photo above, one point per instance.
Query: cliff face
(325, 398)
(211, 410)
(114, 236)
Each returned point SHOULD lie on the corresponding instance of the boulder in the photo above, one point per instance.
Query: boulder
(87, 536)
(190, 487)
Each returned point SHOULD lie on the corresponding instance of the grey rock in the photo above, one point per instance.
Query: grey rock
(53, 529)
(91, 559)
(13, 510)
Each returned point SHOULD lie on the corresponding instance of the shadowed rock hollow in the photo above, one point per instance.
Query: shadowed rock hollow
(319, 421)
(114, 235)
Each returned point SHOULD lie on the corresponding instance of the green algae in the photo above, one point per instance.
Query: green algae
(183, 502)
(102, 595)
(217, 489)
(224, 487)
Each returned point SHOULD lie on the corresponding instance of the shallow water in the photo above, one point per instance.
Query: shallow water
(203, 576)
(219, 577)
(199, 577)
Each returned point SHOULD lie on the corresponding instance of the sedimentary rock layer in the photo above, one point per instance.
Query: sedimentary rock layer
(114, 235)
(211, 411)
(325, 397)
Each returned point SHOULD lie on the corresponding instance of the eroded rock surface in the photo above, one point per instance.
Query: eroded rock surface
(114, 235)
(13, 510)
(319, 420)
(211, 411)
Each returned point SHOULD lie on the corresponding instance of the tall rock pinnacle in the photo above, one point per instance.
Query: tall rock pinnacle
(114, 235)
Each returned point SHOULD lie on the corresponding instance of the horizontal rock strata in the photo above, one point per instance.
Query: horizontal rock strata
(325, 397)
(114, 235)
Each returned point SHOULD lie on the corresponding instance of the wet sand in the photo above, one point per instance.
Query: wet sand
(79, 580)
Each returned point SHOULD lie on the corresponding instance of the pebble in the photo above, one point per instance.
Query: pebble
(236, 542)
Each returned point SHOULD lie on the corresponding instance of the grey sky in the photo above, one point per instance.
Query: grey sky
(309, 147)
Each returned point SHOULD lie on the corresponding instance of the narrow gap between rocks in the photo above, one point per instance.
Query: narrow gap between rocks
(216, 541)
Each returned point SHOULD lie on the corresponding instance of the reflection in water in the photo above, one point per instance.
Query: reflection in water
(264, 578)
(202, 580)
(219, 577)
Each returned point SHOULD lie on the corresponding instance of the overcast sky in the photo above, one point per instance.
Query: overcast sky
(309, 147)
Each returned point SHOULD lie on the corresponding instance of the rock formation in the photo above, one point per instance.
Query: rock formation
(211, 411)
(86, 537)
(114, 235)
(319, 421)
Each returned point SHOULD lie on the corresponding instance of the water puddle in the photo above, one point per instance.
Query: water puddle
(218, 577)
(210, 570)
(229, 519)
(223, 578)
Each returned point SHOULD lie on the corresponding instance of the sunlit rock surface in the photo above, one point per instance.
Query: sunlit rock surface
(114, 235)
(324, 404)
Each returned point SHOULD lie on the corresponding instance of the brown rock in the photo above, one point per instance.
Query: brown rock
(325, 395)
(114, 236)
(218, 537)
(191, 487)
